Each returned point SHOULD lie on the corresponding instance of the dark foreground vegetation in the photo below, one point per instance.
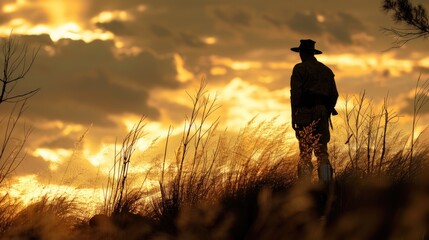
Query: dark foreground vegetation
(271, 207)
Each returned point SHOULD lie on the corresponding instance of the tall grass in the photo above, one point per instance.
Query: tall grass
(420, 100)
(211, 165)
(375, 145)
(369, 129)
(220, 185)
(196, 172)
(8, 210)
(46, 218)
(117, 198)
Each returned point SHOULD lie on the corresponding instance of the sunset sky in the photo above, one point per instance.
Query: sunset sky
(104, 64)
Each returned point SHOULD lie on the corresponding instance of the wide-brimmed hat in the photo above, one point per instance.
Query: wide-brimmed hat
(306, 45)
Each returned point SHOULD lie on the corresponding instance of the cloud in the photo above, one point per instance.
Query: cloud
(85, 82)
(191, 40)
(60, 142)
(72, 171)
(339, 26)
(305, 23)
(421, 69)
(32, 165)
(173, 111)
(36, 40)
(33, 13)
(274, 21)
(234, 17)
(160, 31)
(423, 109)
(118, 28)
(343, 26)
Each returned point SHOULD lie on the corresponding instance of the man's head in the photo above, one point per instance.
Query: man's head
(306, 49)
(306, 45)
(306, 55)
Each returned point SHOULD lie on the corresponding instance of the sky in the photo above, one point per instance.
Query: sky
(100, 67)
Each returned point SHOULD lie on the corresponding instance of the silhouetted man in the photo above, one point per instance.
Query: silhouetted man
(313, 98)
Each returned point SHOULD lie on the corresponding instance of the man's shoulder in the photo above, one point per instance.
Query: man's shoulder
(325, 67)
(299, 66)
(312, 66)
(320, 63)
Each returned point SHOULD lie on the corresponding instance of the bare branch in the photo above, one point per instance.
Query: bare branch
(16, 65)
(11, 149)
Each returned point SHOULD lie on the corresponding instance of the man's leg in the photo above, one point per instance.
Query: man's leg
(324, 169)
(305, 167)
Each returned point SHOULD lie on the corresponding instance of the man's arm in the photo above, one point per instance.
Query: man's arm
(334, 96)
(295, 91)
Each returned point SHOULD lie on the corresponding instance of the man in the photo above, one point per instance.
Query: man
(313, 98)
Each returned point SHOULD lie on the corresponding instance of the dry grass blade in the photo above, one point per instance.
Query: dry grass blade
(117, 181)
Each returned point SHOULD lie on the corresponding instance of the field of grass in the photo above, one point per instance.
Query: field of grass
(245, 187)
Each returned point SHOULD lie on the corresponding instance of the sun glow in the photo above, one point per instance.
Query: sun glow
(244, 101)
(102, 156)
(108, 16)
(245, 65)
(69, 30)
(28, 190)
(424, 62)
(209, 40)
(53, 156)
(9, 8)
(63, 20)
(364, 64)
(320, 18)
(234, 64)
(281, 65)
(13, 7)
(151, 132)
(183, 75)
(216, 71)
